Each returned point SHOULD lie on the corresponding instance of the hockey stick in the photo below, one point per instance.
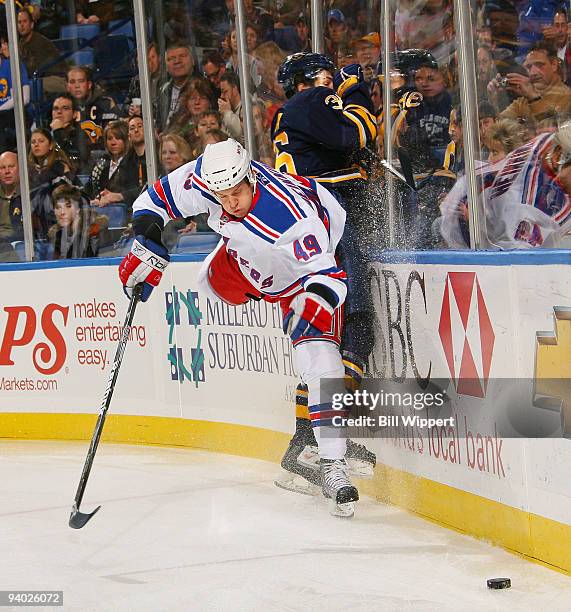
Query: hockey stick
(388, 166)
(78, 519)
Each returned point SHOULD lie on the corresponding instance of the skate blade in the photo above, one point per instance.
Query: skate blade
(297, 484)
(359, 469)
(342, 510)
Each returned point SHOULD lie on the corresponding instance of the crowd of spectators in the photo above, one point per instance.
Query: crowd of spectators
(523, 66)
(86, 136)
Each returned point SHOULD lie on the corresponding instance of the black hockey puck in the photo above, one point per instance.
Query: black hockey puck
(499, 583)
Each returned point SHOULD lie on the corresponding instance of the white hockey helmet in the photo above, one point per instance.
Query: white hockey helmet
(225, 164)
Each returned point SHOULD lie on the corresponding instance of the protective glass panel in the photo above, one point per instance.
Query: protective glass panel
(272, 34)
(188, 89)
(524, 105)
(78, 64)
(351, 31)
(425, 157)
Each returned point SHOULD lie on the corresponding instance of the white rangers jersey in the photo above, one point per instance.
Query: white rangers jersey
(286, 241)
(525, 203)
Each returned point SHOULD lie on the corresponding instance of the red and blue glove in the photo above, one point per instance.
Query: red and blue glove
(144, 264)
(309, 314)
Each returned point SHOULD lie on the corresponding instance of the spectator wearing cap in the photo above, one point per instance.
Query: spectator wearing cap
(367, 50)
(336, 32)
(302, 30)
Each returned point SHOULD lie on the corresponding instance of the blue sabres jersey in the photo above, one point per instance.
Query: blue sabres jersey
(316, 135)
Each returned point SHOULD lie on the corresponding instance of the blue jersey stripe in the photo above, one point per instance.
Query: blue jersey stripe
(279, 219)
(166, 186)
(156, 199)
(272, 178)
(284, 187)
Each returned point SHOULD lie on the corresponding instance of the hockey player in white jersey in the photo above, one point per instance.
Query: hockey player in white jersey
(527, 196)
(279, 235)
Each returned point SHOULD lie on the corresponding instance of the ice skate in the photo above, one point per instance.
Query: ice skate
(337, 487)
(360, 460)
(296, 476)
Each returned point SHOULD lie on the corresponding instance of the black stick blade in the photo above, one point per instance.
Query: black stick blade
(78, 519)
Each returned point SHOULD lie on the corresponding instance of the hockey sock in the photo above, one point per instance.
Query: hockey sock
(301, 411)
(354, 370)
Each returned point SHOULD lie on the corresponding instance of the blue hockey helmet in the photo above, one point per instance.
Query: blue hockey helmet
(302, 68)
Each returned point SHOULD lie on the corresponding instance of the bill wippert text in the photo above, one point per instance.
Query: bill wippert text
(393, 420)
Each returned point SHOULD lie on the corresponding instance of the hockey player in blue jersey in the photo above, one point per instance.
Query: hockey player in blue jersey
(324, 131)
(279, 236)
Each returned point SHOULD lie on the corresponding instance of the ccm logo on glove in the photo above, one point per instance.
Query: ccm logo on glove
(144, 264)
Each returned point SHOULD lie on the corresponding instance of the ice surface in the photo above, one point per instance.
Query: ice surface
(189, 530)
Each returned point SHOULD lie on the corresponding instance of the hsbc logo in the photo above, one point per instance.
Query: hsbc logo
(466, 333)
(21, 330)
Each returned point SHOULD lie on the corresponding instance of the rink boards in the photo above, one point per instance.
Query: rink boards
(199, 373)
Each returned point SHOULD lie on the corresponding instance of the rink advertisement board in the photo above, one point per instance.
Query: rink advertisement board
(483, 330)
(189, 355)
(464, 329)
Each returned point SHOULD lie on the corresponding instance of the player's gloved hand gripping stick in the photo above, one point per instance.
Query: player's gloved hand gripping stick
(78, 519)
(145, 264)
